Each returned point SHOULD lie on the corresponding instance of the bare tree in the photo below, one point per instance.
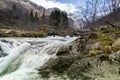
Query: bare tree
(115, 4)
(102, 7)
(85, 13)
(90, 11)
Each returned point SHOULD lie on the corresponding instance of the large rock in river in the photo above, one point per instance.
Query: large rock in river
(73, 48)
(60, 64)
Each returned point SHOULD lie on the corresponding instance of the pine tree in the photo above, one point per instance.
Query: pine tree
(36, 18)
(14, 7)
(31, 15)
(58, 18)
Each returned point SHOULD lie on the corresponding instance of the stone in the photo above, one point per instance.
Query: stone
(70, 49)
(108, 49)
(60, 64)
(64, 50)
(116, 43)
(115, 56)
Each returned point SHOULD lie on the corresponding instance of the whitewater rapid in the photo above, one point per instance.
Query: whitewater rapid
(27, 54)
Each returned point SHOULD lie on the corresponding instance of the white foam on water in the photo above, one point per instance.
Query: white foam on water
(10, 58)
(29, 60)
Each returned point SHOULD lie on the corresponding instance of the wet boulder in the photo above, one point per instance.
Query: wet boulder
(64, 50)
(72, 48)
(94, 68)
(60, 64)
(80, 67)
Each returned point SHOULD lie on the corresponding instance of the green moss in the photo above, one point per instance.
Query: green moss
(4, 27)
(107, 43)
(106, 29)
(92, 52)
(116, 32)
(116, 48)
(93, 35)
(101, 37)
(34, 34)
(43, 28)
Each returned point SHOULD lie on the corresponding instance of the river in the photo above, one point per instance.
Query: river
(24, 55)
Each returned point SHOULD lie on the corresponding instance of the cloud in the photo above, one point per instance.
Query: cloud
(68, 7)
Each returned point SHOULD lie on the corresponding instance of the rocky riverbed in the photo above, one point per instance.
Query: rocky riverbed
(93, 56)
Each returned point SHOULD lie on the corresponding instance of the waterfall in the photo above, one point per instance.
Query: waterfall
(31, 53)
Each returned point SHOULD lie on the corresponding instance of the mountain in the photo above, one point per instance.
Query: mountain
(24, 5)
(26, 16)
(17, 14)
(77, 21)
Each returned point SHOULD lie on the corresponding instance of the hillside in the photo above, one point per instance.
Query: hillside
(17, 14)
(111, 18)
(26, 16)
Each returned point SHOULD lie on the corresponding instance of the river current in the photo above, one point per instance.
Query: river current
(25, 55)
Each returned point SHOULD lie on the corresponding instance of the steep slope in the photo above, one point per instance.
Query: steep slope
(26, 16)
(24, 5)
(18, 13)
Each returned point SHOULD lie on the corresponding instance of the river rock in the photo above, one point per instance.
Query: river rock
(96, 45)
(59, 64)
(116, 43)
(72, 48)
(115, 56)
(1, 53)
(64, 50)
(78, 68)
(93, 68)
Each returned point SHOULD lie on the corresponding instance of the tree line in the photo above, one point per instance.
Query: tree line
(58, 19)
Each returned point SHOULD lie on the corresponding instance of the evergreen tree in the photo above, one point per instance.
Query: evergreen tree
(58, 18)
(31, 15)
(14, 7)
(43, 18)
(36, 18)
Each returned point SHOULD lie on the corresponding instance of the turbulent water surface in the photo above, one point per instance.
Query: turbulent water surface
(24, 55)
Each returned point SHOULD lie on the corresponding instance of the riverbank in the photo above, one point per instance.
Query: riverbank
(93, 56)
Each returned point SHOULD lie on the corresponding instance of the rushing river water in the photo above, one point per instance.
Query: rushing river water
(27, 54)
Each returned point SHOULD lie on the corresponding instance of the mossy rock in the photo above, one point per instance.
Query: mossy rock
(64, 50)
(60, 64)
(80, 69)
(92, 52)
(105, 29)
(117, 48)
(34, 34)
(93, 35)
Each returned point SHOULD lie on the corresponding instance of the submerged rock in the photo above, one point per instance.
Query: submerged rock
(1, 53)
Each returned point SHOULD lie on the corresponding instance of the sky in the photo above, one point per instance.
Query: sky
(70, 6)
